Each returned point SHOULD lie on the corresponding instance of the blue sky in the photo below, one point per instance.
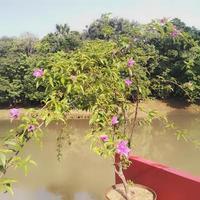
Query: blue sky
(40, 16)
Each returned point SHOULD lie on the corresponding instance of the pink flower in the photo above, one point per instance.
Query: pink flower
(122, 148)
(175, 32)
(128, 82)
(14, 113)
(31, 128)
(38, 73)
(163, 20)
(104, 138)
(130, 62)
(114, 120)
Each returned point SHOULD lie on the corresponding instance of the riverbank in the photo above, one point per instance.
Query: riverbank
(163, 107)
(75, 114)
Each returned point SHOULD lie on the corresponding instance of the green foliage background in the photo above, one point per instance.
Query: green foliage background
(171, 65)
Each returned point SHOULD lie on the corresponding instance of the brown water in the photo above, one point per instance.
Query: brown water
(81, 175)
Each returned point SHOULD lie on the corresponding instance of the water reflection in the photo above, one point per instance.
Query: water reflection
(81, 175)
(159, 144)
(23, 193)
(82, 196)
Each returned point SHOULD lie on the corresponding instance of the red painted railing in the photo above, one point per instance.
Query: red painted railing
(168, 183)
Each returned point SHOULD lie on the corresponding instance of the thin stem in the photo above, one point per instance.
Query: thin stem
(124, 182)
(124, 115)
(135, 115)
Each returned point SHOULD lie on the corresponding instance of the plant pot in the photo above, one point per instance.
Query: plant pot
(140, 192)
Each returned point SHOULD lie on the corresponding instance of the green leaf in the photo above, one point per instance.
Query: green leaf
(62, 80)
(5, 151)
(69, 88)
(51, 81)
(7, 181)
(37, 84)
(9, 189)
(12, 143)
(3, 159)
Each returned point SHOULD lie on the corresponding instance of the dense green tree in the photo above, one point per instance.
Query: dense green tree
(110, 28)
(16, 81)
(63, 39)
(194, 32)
(177, 72)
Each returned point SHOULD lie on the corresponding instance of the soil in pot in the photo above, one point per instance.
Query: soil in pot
(139, 192)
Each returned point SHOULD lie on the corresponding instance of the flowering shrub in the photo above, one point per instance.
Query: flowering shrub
(88, 79)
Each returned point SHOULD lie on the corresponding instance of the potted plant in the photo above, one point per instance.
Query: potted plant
(90, 78)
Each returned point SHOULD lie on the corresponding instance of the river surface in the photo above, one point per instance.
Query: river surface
(81, 175)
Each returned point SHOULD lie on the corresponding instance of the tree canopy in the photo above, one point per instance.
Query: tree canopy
(171, 49)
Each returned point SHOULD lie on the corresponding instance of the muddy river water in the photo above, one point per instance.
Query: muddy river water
(81, 175)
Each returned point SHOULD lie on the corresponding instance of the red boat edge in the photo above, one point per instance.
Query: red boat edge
(168, 183)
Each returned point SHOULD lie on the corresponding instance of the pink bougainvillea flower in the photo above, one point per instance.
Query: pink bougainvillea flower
(38, 73)
(114, 120)
(128, 82)
(104, 138)
(175, 32)
(122, 148)
(163, 20)
(130, 62)
(14, 113)
(31, 128)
